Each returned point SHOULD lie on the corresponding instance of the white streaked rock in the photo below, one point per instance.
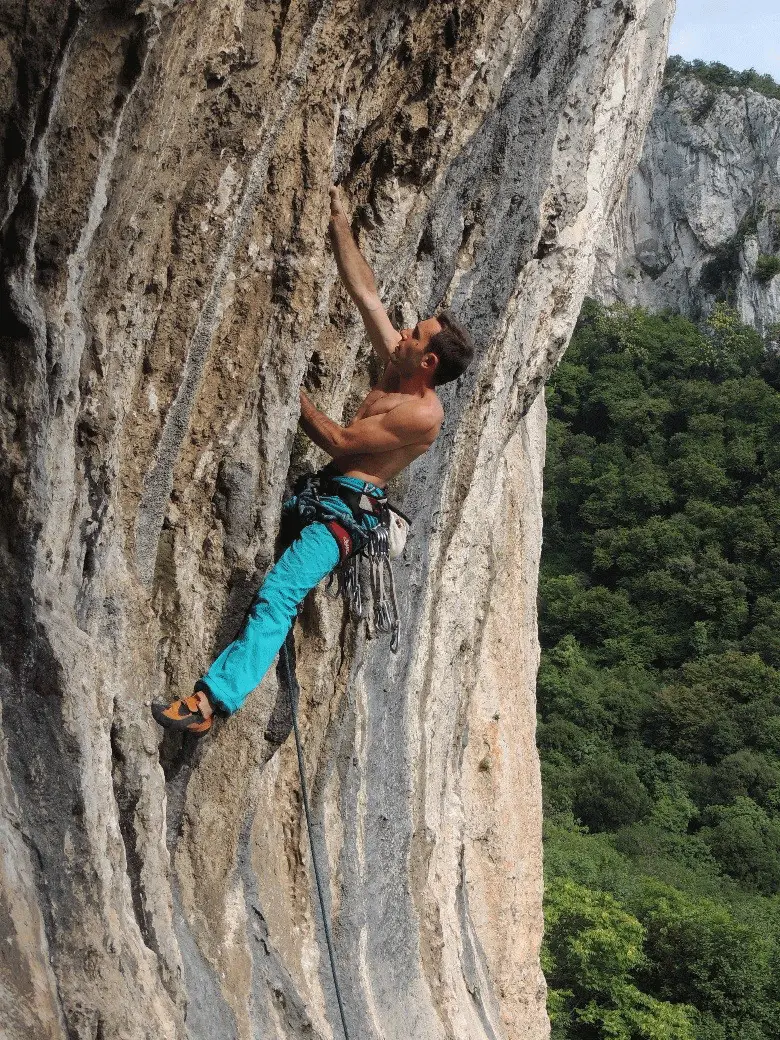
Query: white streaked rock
(160, 316)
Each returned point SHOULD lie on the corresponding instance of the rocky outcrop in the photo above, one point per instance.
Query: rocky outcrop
(166, 288)
(701, 219)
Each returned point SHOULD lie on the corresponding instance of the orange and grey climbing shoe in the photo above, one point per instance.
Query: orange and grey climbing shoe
(191, 714)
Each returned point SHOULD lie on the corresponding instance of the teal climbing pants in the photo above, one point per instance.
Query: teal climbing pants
(312, 556)
(242, 664)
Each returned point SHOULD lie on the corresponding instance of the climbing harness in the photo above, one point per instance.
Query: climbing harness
(368, 529)
(292, 690)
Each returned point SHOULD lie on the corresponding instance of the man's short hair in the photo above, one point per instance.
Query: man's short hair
(453, 347)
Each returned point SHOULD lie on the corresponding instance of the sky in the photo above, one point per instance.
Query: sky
(743, 34)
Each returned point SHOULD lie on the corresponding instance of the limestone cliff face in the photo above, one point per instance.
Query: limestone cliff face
(166, 287)
(702, 208)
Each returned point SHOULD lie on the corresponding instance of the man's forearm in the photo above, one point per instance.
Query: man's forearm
(357, 276)
(325, 433)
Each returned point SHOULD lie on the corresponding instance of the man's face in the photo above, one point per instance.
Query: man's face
(411, 352)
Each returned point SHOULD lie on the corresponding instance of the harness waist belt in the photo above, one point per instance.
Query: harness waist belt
(358, 501)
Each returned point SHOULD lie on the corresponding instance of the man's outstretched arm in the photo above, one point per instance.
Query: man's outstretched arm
(358, 279)
(412, 423)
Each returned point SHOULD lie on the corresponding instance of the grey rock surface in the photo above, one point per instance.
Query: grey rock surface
(166, 287)
(702, 207)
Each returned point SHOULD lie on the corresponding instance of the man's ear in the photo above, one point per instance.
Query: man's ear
(430, 361)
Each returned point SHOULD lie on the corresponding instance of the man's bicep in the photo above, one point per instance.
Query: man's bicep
(381, 332)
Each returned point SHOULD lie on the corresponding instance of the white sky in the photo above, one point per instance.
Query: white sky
(743, 34)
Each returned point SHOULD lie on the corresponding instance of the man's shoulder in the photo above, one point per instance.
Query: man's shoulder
(427, 410)
(434, 406)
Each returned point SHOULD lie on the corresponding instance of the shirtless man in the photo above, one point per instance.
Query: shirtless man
(398, 421)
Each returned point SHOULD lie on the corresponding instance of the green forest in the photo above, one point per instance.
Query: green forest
(659, 685)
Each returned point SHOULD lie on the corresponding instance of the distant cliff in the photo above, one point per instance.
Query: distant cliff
(701, 218)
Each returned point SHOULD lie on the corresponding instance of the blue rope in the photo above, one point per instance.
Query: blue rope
(292, 690)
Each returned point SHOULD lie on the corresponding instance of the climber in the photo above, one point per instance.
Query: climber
(339, 507)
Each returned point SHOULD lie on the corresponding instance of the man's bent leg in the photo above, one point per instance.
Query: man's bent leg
(242, 664)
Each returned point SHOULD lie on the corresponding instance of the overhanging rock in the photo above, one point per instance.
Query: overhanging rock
(166, 287)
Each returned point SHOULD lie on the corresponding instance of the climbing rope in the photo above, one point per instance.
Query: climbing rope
(292, 688)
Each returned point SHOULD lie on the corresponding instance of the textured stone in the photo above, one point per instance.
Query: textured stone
(703, 205)
(166, 287)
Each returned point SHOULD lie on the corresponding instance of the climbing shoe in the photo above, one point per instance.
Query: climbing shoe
(191, 714)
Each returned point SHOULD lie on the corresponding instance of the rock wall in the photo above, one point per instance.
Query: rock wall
(166, 288)
(702, 207)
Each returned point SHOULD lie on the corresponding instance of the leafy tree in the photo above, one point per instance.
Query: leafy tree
(767, 266)
(608, 794)
(698, 952)
(744, 774)
(745, 840)
(593, 949)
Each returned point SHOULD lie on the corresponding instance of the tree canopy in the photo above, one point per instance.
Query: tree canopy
(659, 686)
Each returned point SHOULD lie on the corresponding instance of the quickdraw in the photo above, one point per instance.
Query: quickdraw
(357, 542)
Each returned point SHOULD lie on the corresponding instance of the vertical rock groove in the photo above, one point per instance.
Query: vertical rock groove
(159, 483)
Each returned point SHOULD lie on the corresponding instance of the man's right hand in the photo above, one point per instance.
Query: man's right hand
(336, 205)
